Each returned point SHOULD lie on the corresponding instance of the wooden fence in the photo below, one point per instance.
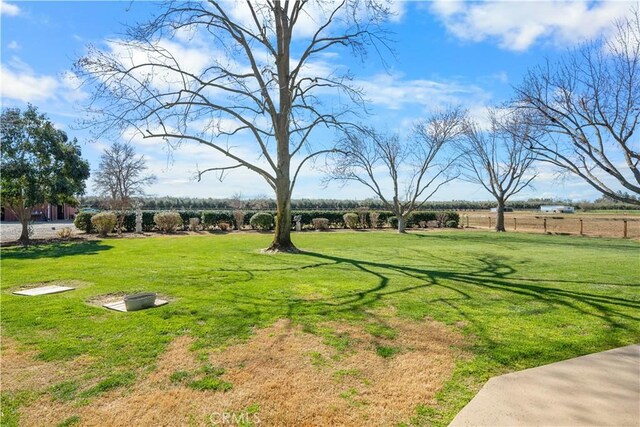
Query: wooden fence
(578, 225)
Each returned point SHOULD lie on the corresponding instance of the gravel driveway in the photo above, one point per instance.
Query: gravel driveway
(41, 230)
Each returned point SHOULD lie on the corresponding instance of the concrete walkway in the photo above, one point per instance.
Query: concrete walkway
(601, 389)
(10, 231)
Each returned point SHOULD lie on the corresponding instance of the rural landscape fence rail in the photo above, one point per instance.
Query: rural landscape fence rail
(623, 227)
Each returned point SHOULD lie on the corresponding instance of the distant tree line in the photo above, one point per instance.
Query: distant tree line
(260, 204)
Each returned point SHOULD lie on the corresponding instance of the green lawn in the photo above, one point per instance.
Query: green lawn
(521, 300)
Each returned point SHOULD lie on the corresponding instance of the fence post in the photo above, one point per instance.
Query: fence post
(545, 224)
(581, 227)
(489, 222)
(625, 229)
(515, 224)
(467, 221)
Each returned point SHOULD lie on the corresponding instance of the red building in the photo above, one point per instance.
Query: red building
(46, 212)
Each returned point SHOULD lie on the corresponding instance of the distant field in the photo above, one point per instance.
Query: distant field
(593, 223)
(613, 212)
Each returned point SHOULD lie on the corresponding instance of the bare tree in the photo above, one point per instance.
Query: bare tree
(121, 174)
(257, 84)
(587, 106)
(121, 177)
(404, 174)
(498, 158)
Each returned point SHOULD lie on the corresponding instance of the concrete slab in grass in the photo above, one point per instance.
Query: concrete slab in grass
(44, 290)
(601, 389)
(119, 305)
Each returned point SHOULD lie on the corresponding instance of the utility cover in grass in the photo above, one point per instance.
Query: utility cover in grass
(44, 290)
(119, 305)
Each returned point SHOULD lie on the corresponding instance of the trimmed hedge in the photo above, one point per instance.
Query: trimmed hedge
(351, 220)
(262, 221)
(186, 215)
(129, 223)
(320, 223)
(104, 222)
(415, 217)
(210, 219)
(168, 222)
(82, 222)
(450, 219)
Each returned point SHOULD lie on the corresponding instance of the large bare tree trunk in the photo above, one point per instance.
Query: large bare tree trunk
(282, 236)
(500, 216)
(402, 225)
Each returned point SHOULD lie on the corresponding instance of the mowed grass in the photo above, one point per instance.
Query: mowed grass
(521, 300)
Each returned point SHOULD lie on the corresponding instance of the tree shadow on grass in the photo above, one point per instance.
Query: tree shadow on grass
(487, 273)
(58, 250)
(535, 239)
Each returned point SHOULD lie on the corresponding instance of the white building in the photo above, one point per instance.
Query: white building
(557, 209)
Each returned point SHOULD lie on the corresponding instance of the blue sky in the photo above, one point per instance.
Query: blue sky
(448, 52)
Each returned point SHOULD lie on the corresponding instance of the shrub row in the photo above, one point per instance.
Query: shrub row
(264, 219)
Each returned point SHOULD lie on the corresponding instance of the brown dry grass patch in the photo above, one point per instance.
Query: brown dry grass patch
(21, 370)
(293, 377)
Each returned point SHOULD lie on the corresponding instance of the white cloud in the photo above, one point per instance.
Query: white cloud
(9, 9)
(20, 83)
(518, 25)
(157, 64)
(26, 87)
(315, 14)
(397, 8)
(71, 86)
(13, 45)
(393, 92)
(176, 174)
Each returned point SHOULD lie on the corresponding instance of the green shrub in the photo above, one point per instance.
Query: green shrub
(320, 223)
(187, 215)
(262, 221)
(383, 218)
(351, 220)
(147, 220)
(212, 218)
(167, 222)
(454, 216)
(421, 216)
(393, 221)
(83, 222)
(452, 224)
(104, 222)
(443, 218)
(129, 223)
